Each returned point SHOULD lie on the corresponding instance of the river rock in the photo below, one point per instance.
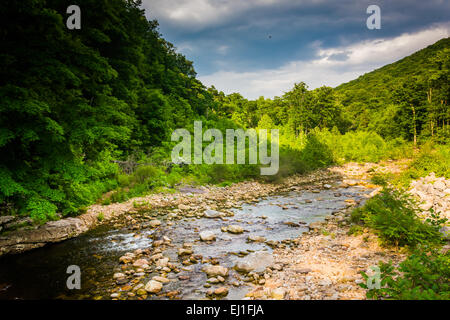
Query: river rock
(291, 224)
(207, 236)
(153, 286)
(212, 214)
(243, 267)
(235, 229)
(161, 279)
(119, 275)
(257, 261)
(183, 207)
(127, 258)
(213, 280)
(222, 291)
(155, 223)
(121, 281)
(162, 262)
(214, 271)
(139, 263)
(278, 294)
(252, 238)
(184, 252)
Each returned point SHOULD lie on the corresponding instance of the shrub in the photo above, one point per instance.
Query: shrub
(393, 216)
(430, 159)
(424, 275)
(145, 174)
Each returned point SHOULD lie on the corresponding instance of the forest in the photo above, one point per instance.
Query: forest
(75, 103)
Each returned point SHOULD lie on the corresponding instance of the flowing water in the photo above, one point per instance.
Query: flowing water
(41, 273)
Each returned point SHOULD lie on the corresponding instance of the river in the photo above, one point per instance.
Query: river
(41, 273)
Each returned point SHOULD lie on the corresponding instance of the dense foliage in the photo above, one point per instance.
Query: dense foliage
(73, 102)
(424, 275)
(393, 216)
(405, 98)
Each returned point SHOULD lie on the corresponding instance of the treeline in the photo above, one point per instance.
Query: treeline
(406, 99)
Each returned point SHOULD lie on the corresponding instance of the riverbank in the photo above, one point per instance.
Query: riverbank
(206, 197)
(271, 241)
(325, 264)
(327, 261)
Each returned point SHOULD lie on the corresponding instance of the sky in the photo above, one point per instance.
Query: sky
(262, 47)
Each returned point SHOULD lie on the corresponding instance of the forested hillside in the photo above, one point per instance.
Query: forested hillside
(73, 103)
(72, 100)
(386, 99)
(393, 101)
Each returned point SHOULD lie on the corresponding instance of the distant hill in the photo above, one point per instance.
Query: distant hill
(372, 92)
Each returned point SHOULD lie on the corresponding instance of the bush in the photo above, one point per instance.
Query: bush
(145, 174)
(393, 216)
(424, 275)
(432, 158)
(316, 154)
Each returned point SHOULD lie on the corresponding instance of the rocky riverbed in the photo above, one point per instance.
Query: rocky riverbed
(206, 197)
(178, 237)
(246, 241)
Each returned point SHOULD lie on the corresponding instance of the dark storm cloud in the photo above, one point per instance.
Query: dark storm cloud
(250, 35)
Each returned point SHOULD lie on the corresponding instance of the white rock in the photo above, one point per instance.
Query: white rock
(207, 236)
(212, 214)
(278, 294)
(162, 262)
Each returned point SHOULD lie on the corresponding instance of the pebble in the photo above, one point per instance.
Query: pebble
(213, 271)
(153, 286)
(207, 236)
(222, 291)
(235, 229)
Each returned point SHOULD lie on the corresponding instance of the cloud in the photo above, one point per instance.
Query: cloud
(204, 13)
(331, 66)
